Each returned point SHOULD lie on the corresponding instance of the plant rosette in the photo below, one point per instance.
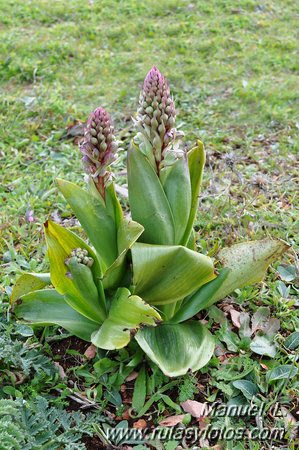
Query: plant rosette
(139, 278)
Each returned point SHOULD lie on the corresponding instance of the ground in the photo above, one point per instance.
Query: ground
(232, 69)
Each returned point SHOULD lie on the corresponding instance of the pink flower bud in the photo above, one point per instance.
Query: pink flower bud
(99, 148)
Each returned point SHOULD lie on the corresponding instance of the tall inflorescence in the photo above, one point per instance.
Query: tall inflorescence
(156, 116)
(99, 148)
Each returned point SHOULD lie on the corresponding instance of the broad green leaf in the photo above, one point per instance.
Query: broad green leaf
(169, 310)
(139, 393)
(111, 201)
(248, 263)
(196, 162)
(127, 313)
(201, 299)
(177, 188)
(262, 346)
(148, 202)
(164, 274)
(247, 388)
(29, 282)
(105, 365)
(146, 148)
(113, 205)
(47, 307)
(94, 218)
(61, 242)
(127, 234)
(82, 278)
(292, 341)
(281, 373)
(177, 348)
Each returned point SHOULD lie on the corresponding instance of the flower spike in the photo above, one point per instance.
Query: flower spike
(99, 148)
(156, 114)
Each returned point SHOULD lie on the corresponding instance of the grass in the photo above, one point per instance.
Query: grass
(232, 68)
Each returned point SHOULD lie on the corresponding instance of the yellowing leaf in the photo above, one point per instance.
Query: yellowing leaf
(29, 282)
(61, 242)
(94, 218)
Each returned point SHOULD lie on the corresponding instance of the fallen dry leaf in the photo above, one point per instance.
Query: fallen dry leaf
(124, 393)
(171, 421)
(90, 352)
(289, 421)
(203, 321)
(132, 376)
(203, 422)
(235, 316)
(226, 307)
(60, 370)
(204, 443)
(264, 366)
(20, 377)
(196, 409)
(140, 424)
(219, 351)
(126, 414)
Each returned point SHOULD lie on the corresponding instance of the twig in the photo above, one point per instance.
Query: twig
(79, 398)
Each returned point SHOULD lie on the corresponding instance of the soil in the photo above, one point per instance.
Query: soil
(93, 443)
(60, 348)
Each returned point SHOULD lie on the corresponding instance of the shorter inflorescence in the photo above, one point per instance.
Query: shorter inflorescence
(81, 255)
(99, 148)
